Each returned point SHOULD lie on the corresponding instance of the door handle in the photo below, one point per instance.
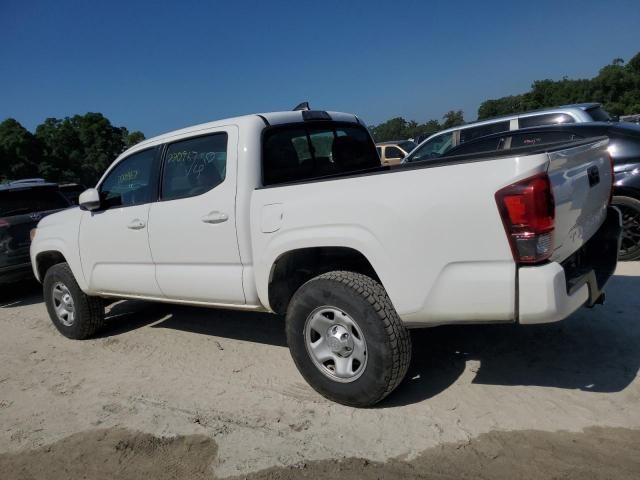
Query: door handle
(215, 217)
(136, 224)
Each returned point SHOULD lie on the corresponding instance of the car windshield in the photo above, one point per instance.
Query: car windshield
(29, 200)
(407, 146)
(434, 148)
(599, 114)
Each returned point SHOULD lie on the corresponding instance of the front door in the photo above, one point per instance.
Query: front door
(192, 229)
(114, 242)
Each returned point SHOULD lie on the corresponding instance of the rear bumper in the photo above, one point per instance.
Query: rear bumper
(552, 292)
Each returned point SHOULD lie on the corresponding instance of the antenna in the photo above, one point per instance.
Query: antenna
(302, 106)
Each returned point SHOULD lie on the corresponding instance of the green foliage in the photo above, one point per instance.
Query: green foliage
(400, 129)
(617, 87)
(73, 149)
(130, 139)
(452, 119)
(20, 151)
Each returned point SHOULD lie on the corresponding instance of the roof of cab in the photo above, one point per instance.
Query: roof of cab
(271, 118)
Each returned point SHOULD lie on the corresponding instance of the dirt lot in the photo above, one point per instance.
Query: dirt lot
(175, 392)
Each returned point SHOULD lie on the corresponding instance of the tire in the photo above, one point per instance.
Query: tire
(630, 209)
(362, 368)
(84, 314)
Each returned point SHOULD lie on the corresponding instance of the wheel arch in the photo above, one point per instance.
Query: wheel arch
(45, 260)
(293, 268)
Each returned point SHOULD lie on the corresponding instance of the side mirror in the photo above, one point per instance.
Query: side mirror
(89, 199)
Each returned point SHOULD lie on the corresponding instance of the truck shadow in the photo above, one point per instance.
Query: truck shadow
(20, 294)
(594, 350)
(124, 316)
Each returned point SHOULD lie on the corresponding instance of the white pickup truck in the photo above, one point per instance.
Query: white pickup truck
(292, 213)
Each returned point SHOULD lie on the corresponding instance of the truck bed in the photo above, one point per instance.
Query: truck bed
(432, 230)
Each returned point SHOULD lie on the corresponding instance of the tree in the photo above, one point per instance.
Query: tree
(81, 147)
(453, 119)
(130, 139)
(20, 152)
(617, 87)
(394, 129)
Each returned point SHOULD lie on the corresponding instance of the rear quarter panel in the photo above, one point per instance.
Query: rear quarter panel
(433, 235)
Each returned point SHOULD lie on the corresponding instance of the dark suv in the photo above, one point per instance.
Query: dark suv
(22, 204)
(624, 148)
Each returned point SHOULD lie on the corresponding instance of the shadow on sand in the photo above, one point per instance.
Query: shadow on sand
(595, 350)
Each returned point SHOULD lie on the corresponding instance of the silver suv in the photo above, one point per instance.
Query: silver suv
(440, 143)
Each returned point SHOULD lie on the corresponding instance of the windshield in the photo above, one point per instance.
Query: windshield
(434, 148)
(407, 146)
(599, 114)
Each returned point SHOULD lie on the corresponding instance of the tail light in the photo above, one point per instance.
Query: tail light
(4, 223)
(528, 214)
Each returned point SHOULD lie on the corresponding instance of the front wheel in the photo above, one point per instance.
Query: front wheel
(346, 338)
(74, 313)
(630, 209)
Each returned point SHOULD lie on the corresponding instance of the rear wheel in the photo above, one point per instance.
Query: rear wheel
(630, 209)
(347, 339)
(75, 314)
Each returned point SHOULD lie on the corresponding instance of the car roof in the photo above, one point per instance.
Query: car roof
(593, 127)
(589, 128)
(559, 109)
(4, 187)
(270, 118)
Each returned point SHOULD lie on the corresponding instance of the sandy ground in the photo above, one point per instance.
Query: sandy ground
(191, 393)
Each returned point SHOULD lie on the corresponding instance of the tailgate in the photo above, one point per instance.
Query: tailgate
(581, 179)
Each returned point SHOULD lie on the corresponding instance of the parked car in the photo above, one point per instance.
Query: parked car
(392, 152)
(292, 213)
(624, 148)
(72, 191)
(22, 204)
(439, 143)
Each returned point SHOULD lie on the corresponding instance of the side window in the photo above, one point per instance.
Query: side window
(379, 150)
(194, 166)
(486, 145)
(541, 138)
(393, 153)
(545, 119)
(434, 148)
(468, 134)
(131, 182)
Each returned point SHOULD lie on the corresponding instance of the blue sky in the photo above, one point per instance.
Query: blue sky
(158, 66)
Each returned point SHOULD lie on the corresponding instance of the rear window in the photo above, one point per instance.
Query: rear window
(545, 119)
(599, 114)
(305, 151)
(30, 200)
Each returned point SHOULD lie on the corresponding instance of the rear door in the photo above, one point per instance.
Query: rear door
(20, 211)
(192, 229)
